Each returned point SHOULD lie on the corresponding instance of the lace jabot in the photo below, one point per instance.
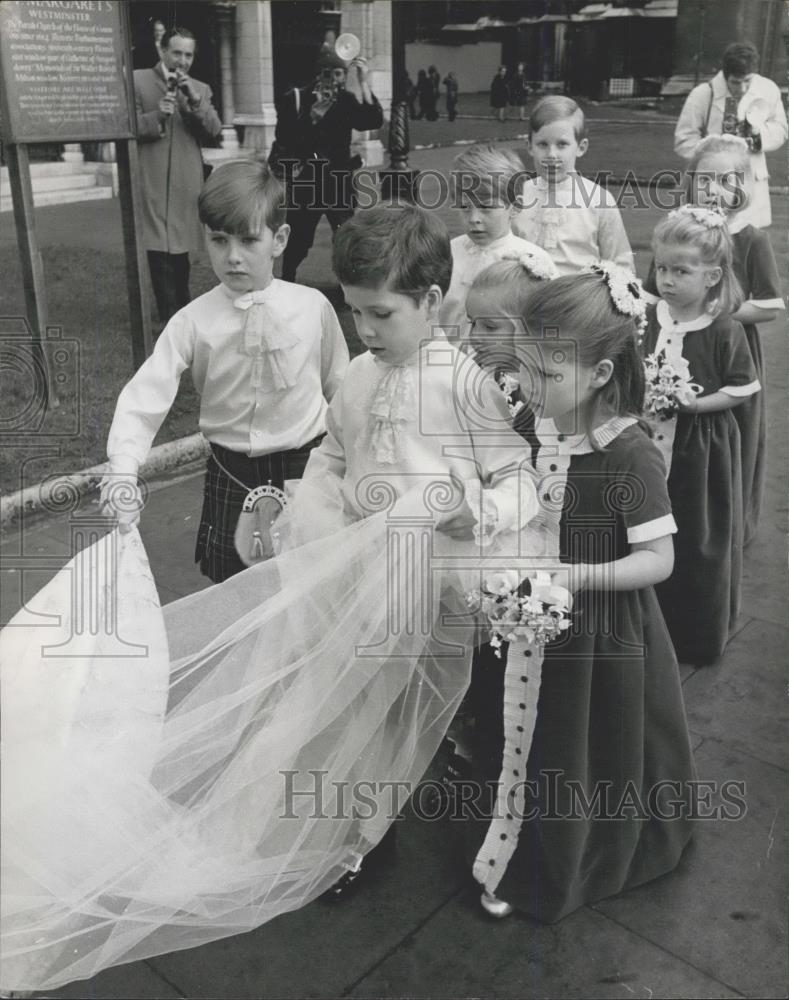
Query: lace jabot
(267, 341)
(393, 406)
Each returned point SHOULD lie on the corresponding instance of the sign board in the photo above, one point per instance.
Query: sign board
(62, 71)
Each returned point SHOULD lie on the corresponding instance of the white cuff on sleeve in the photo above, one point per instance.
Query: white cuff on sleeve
(765, 303)
(649, 530)
(742, 390)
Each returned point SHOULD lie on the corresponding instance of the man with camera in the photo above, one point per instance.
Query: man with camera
(312, 150)
(738, 101)
(174, 116)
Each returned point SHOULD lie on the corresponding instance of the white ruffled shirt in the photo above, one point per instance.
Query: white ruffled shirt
(264, 375)
(468, 260)
(576, 221)
(392, 429)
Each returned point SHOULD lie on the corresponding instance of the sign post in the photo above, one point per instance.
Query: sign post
(66, 76)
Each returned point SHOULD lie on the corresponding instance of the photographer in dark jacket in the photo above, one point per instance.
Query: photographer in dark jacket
(312, 151)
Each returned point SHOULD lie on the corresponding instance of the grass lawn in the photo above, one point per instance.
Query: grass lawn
(87, 299)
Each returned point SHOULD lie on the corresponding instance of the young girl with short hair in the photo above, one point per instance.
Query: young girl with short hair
(718, 175)
(693, 324)
(610, 724)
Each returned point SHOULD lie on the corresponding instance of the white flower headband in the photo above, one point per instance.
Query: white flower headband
(626, 291)
(536, 266)
(711, 218)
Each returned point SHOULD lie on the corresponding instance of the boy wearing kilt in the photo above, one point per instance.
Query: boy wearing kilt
(265, 355)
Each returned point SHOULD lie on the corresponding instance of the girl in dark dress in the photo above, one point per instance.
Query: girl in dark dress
(610, 737)
(692, 324)
(718, 175)
(721, 166)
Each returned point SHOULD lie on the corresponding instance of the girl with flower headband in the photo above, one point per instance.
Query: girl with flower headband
(494, 306)
(610, 717)
(692, 327)
(718, 175)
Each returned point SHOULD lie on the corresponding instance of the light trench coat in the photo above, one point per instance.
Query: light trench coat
(171, 162)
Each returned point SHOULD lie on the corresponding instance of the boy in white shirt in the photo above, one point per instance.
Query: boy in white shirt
(485, 182)
(414, 409)
(415, 416)
(575, 220)
(265, 355)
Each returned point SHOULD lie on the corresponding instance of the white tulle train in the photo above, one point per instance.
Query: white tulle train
(173, 776)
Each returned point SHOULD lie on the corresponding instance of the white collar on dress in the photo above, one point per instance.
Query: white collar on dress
(667, 323)
(579, 444)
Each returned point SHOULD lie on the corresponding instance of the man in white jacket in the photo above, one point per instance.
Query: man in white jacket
(737, 101)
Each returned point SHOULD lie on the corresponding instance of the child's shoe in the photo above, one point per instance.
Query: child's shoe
(495, 907)
(365, 866)
(457, 770)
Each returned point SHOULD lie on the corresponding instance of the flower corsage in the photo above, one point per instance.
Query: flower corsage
(539, 615)
(668, 386)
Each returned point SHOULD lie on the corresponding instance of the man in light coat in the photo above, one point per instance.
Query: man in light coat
(174, 117)
(737, 101)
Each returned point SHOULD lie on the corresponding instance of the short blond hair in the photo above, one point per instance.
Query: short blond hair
(488, 171)
(555, 108)
(737, 150)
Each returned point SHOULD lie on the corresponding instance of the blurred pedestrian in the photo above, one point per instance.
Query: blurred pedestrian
(435, 79)
(409, 93)
(158, 34)
(451, 87)
(519, 90)
(499, 94)
(427, 96)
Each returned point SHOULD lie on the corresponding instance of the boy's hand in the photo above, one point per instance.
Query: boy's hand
(120, 497)
(459, 524)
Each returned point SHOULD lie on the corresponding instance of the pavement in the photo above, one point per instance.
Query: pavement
(716, 927)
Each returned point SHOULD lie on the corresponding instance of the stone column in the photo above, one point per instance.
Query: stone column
(371, 22)
(254, 66)
(225, 14)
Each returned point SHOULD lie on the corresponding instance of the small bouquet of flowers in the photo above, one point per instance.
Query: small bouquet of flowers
(668, 386)
(539, 616)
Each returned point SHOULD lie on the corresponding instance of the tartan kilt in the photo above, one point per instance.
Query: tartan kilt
(223, 500)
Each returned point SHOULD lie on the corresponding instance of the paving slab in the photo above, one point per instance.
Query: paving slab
(723, 910)
(136, 981)
(321, 950)
(742, 700)
(585, 955)
(765, 581)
